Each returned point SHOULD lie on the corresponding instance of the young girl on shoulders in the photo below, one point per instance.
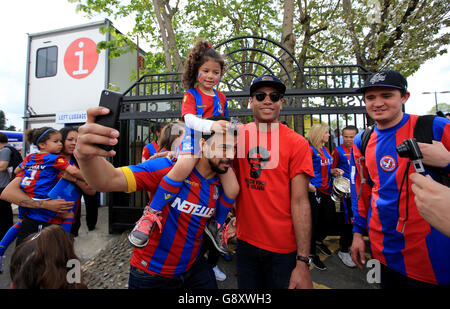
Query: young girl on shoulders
(204, 67)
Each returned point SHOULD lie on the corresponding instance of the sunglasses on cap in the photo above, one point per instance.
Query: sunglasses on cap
(274, 96)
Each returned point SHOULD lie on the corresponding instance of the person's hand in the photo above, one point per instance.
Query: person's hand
(168, 154)
(300, 277)
(58, 205)
(231, 229)
(91, 134)
(311, 188)
(432, 201)
(336, 172)
(434, 154)
(67, 215)
(220, 126)
(67, 176)
(357, 250)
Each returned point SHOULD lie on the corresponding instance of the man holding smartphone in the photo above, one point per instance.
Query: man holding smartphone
(171, 257)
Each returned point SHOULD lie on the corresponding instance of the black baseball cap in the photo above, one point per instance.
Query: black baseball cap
(388, 78)
(267, 81)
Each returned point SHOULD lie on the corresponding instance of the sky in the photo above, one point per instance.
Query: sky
(20, 17)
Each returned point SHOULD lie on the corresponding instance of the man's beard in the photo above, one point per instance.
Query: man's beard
(215, 167)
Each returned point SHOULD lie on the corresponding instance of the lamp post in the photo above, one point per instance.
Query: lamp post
(435, 96)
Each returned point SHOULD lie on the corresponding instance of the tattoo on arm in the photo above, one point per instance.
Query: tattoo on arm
(31, 203)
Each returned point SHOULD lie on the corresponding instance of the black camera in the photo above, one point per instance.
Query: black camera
(410, 149)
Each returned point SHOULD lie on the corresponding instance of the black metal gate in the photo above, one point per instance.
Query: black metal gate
(327, 95)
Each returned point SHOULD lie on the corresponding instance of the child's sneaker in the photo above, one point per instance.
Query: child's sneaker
(346, 258)
(144, 227)
(218, 235)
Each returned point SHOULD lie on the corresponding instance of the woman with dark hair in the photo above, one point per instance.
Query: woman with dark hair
(69, 140)
(36, 177)
(41, 261)
(39, 173)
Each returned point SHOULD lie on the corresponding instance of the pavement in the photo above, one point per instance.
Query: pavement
(337, 275)
(105, 262)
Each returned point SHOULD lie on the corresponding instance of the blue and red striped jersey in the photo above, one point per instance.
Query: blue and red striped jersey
(204, 106)
(173, 250)
(149, 150)
(420, 252)
(39, 175)
(341, 159)
(322, 166)
(77, 205)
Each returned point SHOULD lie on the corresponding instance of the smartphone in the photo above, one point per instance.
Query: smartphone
(110, 100)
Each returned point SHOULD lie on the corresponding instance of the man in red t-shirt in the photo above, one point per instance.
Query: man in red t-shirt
(273, 216)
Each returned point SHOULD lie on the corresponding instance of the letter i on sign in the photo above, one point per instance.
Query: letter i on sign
(80, 55)
(80, 58)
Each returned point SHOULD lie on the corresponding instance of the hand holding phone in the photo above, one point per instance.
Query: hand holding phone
(110, 100)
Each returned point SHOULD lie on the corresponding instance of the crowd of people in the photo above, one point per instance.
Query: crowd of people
(210, 180)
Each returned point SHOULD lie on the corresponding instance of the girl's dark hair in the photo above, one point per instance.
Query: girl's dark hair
(39, 135)
(40, 262)
(199, 54)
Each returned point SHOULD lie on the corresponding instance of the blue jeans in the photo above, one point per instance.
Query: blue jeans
(199, 276)
(258, 268)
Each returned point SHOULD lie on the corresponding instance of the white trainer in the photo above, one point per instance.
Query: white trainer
(346, 259)
(220, 276)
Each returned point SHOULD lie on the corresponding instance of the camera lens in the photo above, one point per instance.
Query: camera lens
(403, 150)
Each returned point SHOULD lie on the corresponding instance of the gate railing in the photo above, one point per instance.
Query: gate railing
(329, 95)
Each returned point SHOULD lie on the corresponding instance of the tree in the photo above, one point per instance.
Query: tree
(164, 15)
(2, 120)
(3, 125)
(400, 35)
(220, 20)
(443, 107)
(314, 19)
(374, 34)
(288, 38)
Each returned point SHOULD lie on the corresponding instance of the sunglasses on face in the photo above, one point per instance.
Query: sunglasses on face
(274, 96)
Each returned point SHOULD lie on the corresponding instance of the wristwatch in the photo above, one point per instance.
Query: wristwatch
(306, 260)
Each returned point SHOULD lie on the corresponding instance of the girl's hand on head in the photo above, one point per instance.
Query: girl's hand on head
(220, 126)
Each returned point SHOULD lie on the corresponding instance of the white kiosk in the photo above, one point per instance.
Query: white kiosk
(66, 74)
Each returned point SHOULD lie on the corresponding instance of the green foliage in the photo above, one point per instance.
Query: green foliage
(2, 120)
(223, 19)
(443, 107)
(400, 35)
(375, 34)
